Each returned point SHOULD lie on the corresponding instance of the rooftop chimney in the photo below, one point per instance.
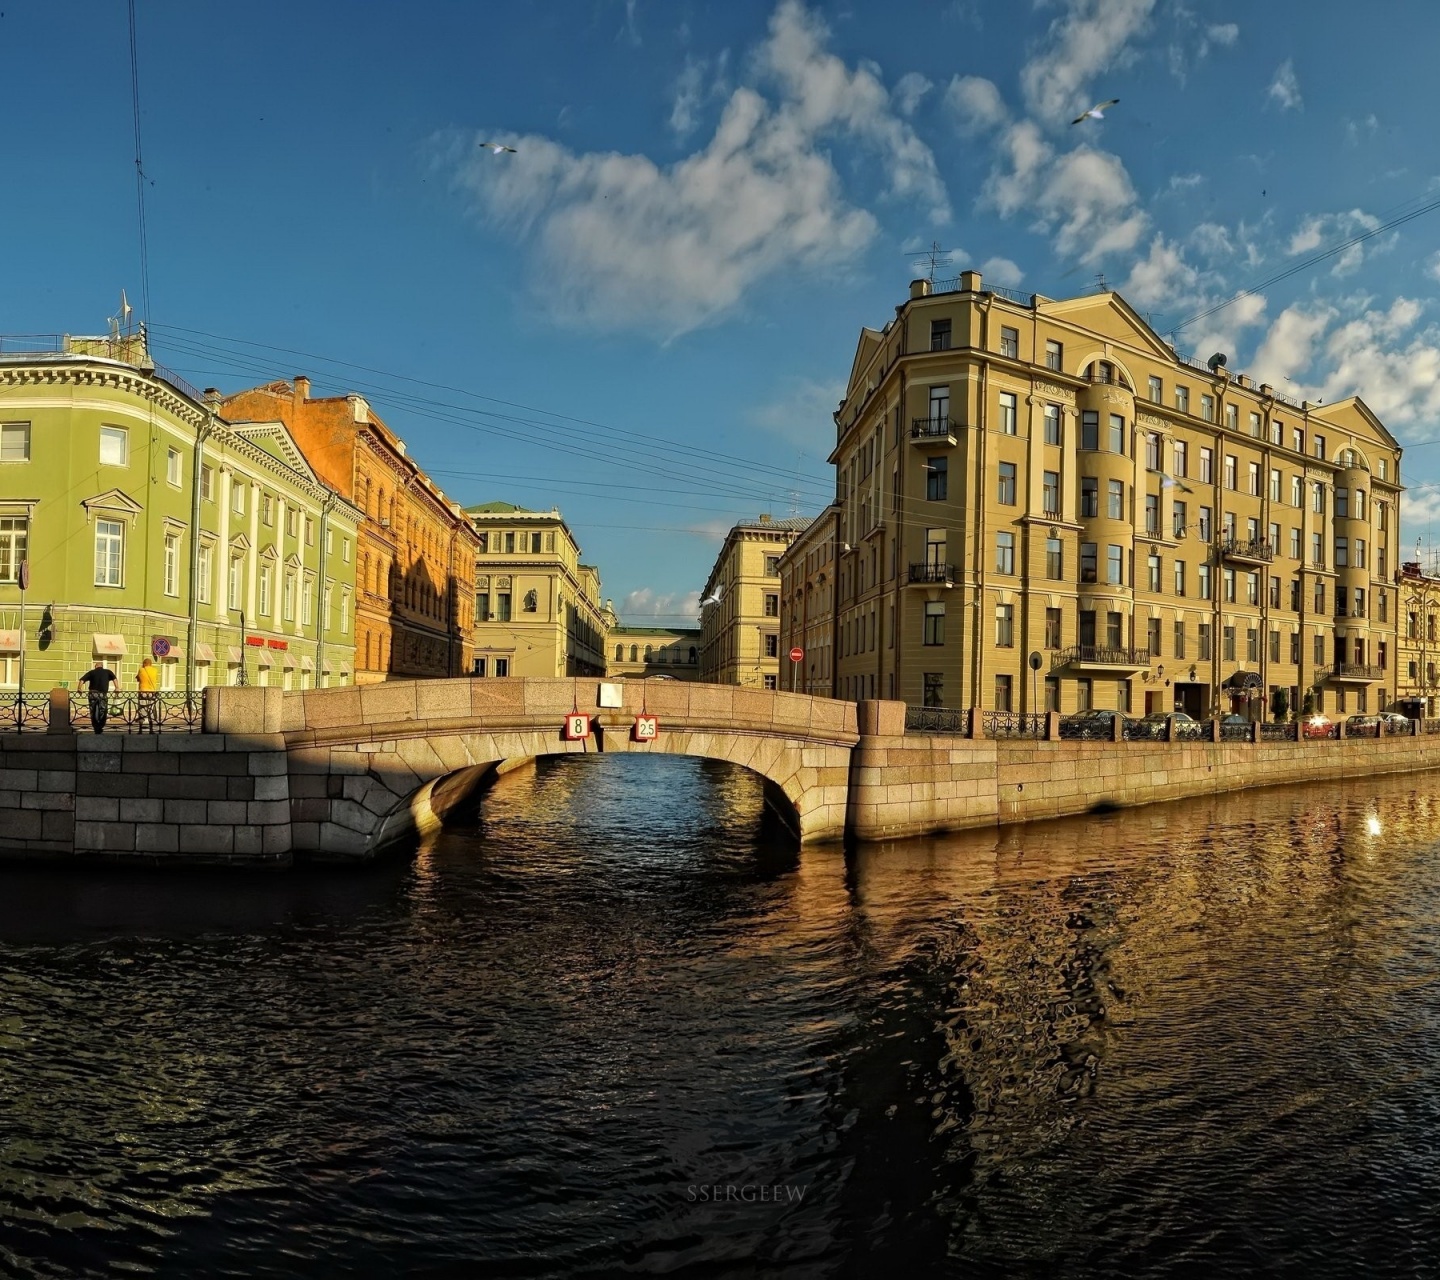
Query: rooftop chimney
(302, 388)
(765, 519)
(919, 288)
(969, 282)
(212, 396)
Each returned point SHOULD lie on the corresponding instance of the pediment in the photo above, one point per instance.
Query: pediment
(1109, 315)
(1340, 410)
(240, 543)
(112, 500)
(868, 345)
(276, 439)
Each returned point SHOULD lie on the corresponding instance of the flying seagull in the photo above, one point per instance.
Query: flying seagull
(1168, 481)
(712, 599)
(1097, 112)
(497, 147)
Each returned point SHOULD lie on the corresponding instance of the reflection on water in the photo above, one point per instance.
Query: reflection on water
(1186, 1040)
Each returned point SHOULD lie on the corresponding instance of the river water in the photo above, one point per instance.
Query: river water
(621, 1024)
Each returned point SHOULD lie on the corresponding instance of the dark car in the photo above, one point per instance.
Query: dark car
(1362, 727)
(1153, 725)
(1092, 724)
(1395, 722)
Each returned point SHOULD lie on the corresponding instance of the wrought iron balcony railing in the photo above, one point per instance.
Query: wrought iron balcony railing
(1258, 549)
(933, 428)
(938, 573)
(1100, 655)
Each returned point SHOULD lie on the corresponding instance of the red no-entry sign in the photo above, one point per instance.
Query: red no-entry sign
(796, 654)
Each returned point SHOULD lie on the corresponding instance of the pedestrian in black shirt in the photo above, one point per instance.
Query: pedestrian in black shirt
(99, 678)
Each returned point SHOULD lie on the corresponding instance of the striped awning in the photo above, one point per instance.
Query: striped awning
(109, 646)
(287, 660)
(346, 669)
(176, 654)
(234, 655)
(264, 658)
(204, 653)
(10, 641)
(307, 664)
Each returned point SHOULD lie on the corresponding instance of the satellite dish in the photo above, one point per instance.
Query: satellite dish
(1217, 361)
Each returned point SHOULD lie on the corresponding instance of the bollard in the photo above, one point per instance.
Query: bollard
(1052, 726)
(60, 712)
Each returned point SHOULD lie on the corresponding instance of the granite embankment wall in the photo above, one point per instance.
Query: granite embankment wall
(913, 784)
(146, 798)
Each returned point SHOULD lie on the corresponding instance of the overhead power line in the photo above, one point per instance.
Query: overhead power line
(139, 169)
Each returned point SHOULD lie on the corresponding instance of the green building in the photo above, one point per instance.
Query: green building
(109, 466)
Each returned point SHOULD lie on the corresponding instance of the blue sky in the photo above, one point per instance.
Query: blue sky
(707, 203)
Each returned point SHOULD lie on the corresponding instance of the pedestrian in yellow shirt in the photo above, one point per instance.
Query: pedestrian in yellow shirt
(148, 678)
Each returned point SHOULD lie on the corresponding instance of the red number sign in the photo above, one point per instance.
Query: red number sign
(646, 728)
(577, 727)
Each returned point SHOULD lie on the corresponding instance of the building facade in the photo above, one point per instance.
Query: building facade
(637, 652)
(538, 609)
(416, 549)
(1043, 506)
(1418, 675)
(740, 606)
(152, 527)
(807, 605)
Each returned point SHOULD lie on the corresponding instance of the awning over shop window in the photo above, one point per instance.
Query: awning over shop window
(327, 663)
(288, 661)
(175, 655)
(204, 653)
(107, 646)
(1243, 681)
(234, 655)
(307, 664)
(346, 669)
(264, 658)
(9, 641)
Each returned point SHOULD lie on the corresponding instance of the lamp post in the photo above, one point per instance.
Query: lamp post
(1035, 661)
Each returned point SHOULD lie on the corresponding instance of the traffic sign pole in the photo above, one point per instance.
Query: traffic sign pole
(797, 656)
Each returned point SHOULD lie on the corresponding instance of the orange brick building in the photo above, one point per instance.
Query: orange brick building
(415, 549)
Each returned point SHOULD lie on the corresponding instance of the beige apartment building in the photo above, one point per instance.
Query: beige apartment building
(740, 606)
(538, 610)
(637, 652)
(1418, 674)
(1042, 505)
(807, 605)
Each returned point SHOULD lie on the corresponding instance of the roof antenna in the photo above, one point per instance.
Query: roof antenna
(930, 259)
(1100, 285)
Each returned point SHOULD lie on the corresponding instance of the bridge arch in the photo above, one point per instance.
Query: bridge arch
(373, 765)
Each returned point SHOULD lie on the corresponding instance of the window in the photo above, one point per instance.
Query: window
(1052, 628)
(772, 605)
(204, 572)
(172, 466)
(937, 479)
(1207, 407)
(1359, 504)
(172, 564)
(1152, 515)
(1050, 493)
(1205, 524)
(1294, 544)
(1274, 646)
(1320, 597)
(940, 335)
(1113, 630)
(1274, 592)
(1179, 640)
(502, 606)
(1052, 424)
(1202, 578)
(1115, 565)
(1298, 440)
(1179, 577)
(1157, 390)
(1274, 540)
(939, 404)
(1232, 467)
(1084, 694)
(1342, 503)
(1054, 559)
(772, 566)
(345, 550)
(1002, 693)
(1227, 578)
(1317, 499)
(772, 647)
(109, 553)
(1357, 608)
(1089, 429)
(1182, 399)
(1005, 626)
(1207, 466)
(1008, 421)
(1088, 562)
(1115, 499)
(237, 497)
(266, 581)
(1203, 640)
(1228, 640)
(1153, 637)
(1180, 518)
(1054, 355)
(307, 602)
(207, 483)
(15, 442)
(1006, 493)
(1005, 553)
(510, 540)
(1117, 433)
(1252, 588)
(1274, 486)
(1010, 342)
(1252, 645)
(934, 622)
(1320, 447)
(114, 447)
(934, 689)
(1232, 418)
(232, 587)
(1089, 497)
(502, 666)
(1359, 553)
(1153, 566)
(1295, 648)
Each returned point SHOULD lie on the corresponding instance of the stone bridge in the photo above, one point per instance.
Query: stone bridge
(371, 765)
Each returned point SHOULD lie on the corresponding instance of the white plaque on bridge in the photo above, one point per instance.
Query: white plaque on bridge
(612, 695)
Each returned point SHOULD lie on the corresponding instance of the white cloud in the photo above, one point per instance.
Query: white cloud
(1289, 348)
(1222, 33)
(1090, 37)
(909, 89)
(623, 243)
(1212, 239)
(976, 103)
(1285, 88)
(1162, 278)
(1321, 228)
(1003, 272)
(1185, 181)
(675, 609)
(1357, 130)
(1191, 45)
(689, 90)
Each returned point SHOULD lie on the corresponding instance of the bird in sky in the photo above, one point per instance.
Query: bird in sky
(1168, 481)
(712, 599)
(1097, 112)
(498, 147)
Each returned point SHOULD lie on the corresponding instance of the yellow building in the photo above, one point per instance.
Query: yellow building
(807, 606)
(1022, 479)
(1418, 687)
(637, 652)
(740, 606)
(538, 610)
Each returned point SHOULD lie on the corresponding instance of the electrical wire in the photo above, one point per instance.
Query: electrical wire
(139, 168)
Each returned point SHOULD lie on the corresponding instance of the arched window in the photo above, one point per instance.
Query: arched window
(634, 653)
(619, 653)
(692, 653)
(647, 653)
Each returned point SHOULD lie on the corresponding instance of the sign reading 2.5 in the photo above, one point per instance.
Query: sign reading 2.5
(646, 728)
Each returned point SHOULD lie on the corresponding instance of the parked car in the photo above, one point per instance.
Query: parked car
(1153, 725)
(1091, 724)
(1395, 722)
(1362, 727)
(1315, 725)
(1232, 718)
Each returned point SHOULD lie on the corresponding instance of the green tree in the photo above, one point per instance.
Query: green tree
(1280, 703)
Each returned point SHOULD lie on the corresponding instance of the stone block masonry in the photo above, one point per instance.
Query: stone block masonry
(177, 799)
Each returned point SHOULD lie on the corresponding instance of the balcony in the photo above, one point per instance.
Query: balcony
(1099, 657)
(1353, 673)
(940, 575)
(934, 431)
(1247, 550)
